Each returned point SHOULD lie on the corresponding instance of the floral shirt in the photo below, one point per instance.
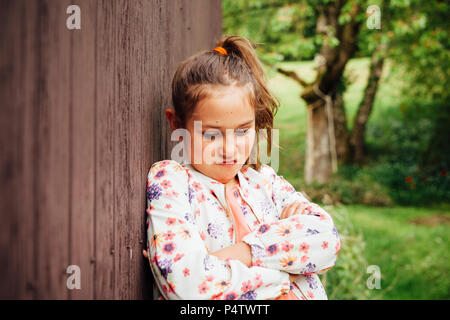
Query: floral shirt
(188, 218)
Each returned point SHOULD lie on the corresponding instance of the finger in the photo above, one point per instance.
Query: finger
(292, 208)
(145, 254)
(284, 213)
(289, 208)
(294, 277)
(297, 209)
(297, 276)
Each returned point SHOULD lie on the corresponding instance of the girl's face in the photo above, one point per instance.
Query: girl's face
(222, 131)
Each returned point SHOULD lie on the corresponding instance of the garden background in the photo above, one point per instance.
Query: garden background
(390, 197)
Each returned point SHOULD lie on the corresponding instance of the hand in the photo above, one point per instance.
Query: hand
(145, 254)
(240, 251)
(290, 210)
(294, 277)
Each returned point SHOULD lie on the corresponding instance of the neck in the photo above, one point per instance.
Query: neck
(230, 184)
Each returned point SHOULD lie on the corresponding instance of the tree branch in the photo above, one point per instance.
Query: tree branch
(293, 75)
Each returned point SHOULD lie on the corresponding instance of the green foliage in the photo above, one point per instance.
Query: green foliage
(416, 32)
(404, 138)
(391, 239)
(420, 42)
(350, 186)
(286, 29)
(410, 153)
(347, 279)
(410, 246)
(407, 138)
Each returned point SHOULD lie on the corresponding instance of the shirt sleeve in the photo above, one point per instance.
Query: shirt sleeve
(304, 243)
(180, 262)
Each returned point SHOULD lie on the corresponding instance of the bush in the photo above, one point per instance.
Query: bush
(411, 153)
(347, 279)
(352, 185)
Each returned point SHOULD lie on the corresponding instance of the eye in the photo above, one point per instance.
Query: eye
(211, 134)
(241, 132)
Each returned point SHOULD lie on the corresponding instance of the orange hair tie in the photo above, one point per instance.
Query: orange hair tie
(221, 50)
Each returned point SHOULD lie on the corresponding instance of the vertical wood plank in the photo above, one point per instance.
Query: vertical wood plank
(152, 106)
(26, 276)
(83, 121)
(136, 208)
(172, 52)
(159, 33)
(104, 158)
(121, 150)
(52, 149)
(11, 164)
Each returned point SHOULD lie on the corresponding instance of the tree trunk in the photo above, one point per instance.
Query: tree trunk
(318, 163)
(318, 166)
(328, 141)
(321, 144)
(365, 108)
(340, 128)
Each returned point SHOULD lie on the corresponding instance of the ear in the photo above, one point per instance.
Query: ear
(171, 117)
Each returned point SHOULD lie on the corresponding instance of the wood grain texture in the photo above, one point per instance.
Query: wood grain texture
(104, 285)
(52, 142)
(82, 120)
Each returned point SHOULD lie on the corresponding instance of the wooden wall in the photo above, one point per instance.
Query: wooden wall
(81, 121)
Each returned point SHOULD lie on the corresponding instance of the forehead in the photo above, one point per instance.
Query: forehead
(227, 107)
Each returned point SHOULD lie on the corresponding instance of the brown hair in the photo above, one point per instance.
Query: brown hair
(196, 77)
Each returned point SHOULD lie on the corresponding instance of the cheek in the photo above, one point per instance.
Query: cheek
(245, 143)
(204, 148)
(197, 142)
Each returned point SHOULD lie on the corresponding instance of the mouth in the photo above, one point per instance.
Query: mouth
(228, 163)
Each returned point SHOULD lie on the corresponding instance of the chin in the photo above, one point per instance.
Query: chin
(225, 177)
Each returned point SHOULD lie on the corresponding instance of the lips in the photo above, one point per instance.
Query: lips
(228, 162)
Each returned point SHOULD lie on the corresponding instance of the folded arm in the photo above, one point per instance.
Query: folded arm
(242, 251)
(303, 241)
(182, 266)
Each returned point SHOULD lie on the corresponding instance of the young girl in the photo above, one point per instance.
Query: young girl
(219, 227)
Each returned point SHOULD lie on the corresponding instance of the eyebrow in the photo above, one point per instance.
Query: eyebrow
(241, 125)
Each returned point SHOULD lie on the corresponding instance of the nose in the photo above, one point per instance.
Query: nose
(228, 150)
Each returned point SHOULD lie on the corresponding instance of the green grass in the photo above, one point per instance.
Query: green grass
(414, 259)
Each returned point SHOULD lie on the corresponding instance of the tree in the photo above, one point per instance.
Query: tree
(327, 135)
(337, 25)
(331, 31)
(356, 142)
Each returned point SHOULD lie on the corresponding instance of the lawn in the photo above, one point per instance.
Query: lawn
(412, 256)
(409, 245)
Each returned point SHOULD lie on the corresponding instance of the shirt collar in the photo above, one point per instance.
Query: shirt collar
(219, 187)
